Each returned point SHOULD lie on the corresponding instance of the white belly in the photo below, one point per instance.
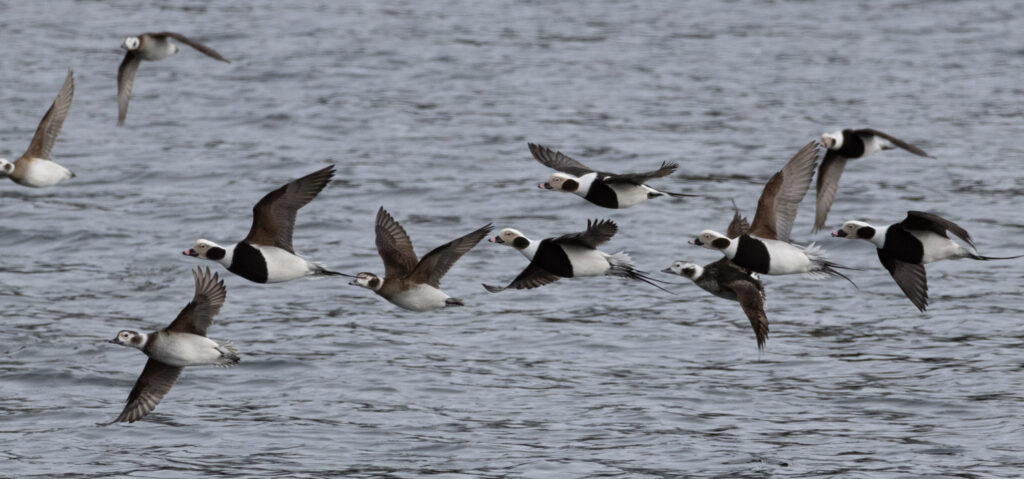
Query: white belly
(158, 50)
(422, 297)
(629, 195)
(937, 247)
(282, 265)
(786, 258)
(587, 262)
(185, 349)
(40, 173)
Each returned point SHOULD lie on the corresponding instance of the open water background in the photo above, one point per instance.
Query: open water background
(426, 108)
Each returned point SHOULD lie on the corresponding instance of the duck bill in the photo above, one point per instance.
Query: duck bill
(667, 270)
(496, 239)
(190, 252)
(545, 186)
(839, 234)
(696, 242)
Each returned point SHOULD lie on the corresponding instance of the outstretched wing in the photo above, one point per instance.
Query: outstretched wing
(598, 232)
(394, 246)
(198, 315)
(53, 120)
(194, 44)
(273, 218)
(896, 141)
(739, 225)
(828, 183)
(435, 264)
(777, 207)
(154, 382)
(558, 161)
(665, 169)
(532, 277)
(125, 81)
(911, 278)
(751, 299)
(921, 221)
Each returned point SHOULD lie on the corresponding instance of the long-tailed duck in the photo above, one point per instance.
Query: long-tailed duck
(182, 343)
(410, 283)
(848, 145)
(149, 47)
(35, 168)
(765, 248)
(266, 254)
(905, 247)
(609, 190)
(568, 256)
(725, 279)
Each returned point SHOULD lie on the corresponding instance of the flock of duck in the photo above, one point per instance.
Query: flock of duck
(750, 249)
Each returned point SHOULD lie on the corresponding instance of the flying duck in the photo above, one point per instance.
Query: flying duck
(609, 190)
(905, 247)
(410, 283)
(183, 343)
(725, 279)
(266, 254)
(568, 256)
(35, 168)
(765, 248)
(848, 145)
(150, 47)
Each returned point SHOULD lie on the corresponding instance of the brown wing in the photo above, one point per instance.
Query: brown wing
(921, 221)
(828, 183)
(751, 299)
(739, 225)
(911, 278)
(777, 207)
(125, 81)
(194, 44)
(273, 218)
(558, 161)
(532, 277)
(394, 247)
(435, 264)
(53, 120)
(154, 382)
(197, 316)
(896, 141)
(598, 232)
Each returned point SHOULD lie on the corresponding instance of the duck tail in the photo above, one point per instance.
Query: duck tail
(989, 258)
(623, 267)
(823, 267)
(453, 302)
(228, 355)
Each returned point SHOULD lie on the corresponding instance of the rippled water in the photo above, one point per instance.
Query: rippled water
(426, 108)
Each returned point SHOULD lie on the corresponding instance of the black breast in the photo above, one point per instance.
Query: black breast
(249, 263)
(601, 194)
(553, 259)
(902, 245)
(752, 254)
(853, 145)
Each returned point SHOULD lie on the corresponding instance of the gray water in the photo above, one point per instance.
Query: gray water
(426, 108)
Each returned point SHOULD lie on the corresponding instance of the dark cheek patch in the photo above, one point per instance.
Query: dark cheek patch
(215, 254)
(720, 243)
(136, 340)
(520, 243)
(375, 283)
(571, 185)
(866, 232)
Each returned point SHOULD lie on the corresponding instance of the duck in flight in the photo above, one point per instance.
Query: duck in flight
(409, 283)
(266, 254)
(610, 190)
(766, 247)
(183, 343)
(905, 247)
(149, 47)
(844, 145)
(35, 168)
